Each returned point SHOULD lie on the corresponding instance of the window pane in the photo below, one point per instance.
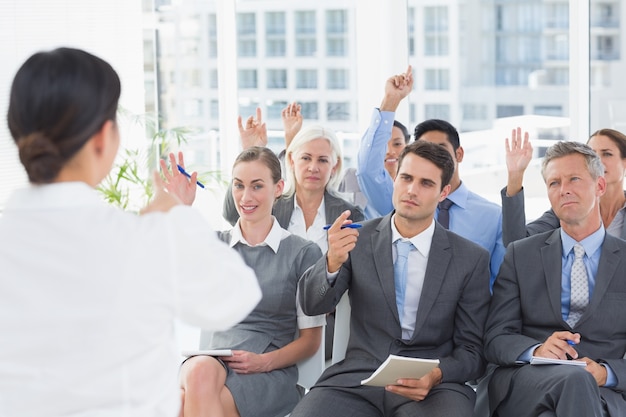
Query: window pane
(276, 78)
(306, 78)
(338, 111)
(247, 78)
(337, 79)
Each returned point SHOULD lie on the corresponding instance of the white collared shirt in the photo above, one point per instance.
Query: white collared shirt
(416, 272)
(273, 239)
(316, 232)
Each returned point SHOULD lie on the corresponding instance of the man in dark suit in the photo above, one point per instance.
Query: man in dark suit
(553, 301)
(438, 313)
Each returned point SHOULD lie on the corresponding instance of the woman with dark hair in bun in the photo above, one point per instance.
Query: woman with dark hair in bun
(89, 293)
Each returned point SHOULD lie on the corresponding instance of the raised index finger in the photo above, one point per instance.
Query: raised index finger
(340, 221)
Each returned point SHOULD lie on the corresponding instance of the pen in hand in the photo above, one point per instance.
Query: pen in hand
(571, 343)
(349, 226)
(186, 174)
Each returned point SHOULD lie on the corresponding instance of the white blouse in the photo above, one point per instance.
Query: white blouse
(88, 299)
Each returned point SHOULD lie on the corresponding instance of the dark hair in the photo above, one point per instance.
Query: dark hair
(266, 156)
(59, 99)
(561, 149)
(440, 126)
(618, 138)
(433, 153)
(405, 131)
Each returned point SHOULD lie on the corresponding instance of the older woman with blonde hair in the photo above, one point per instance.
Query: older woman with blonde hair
(313, 162)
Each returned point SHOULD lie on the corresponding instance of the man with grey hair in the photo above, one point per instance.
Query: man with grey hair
(561, 296)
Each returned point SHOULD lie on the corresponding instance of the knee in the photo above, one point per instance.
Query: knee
(203, 374)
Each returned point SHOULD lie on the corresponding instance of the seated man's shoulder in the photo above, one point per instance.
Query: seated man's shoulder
(476, 201)
(464, 245)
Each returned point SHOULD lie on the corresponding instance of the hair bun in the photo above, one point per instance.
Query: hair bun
(41, 158)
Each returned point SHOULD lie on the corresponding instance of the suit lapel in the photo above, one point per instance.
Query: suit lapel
(283, 208)
(331, 209)
(551, 255)
(438, 261)
(383, 262)
(607, 268)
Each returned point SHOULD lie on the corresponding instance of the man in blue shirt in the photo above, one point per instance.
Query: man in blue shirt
(470, 215)
(561, 295)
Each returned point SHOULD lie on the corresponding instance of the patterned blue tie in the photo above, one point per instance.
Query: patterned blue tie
(400, 272)
(579, 283)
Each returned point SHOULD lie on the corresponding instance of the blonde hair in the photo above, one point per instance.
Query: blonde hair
(306, 135)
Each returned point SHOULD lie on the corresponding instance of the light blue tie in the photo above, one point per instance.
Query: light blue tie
(400, 272)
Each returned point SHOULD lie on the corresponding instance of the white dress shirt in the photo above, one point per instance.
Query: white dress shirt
(88, 299)
(416, 272)
(316, 232)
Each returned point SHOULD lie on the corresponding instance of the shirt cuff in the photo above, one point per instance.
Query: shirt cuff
(611, 378)
(527, 355)
(331, 276)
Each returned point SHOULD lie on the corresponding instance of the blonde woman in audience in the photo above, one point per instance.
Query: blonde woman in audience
(259, 379)
(89, 293)
(313, 162)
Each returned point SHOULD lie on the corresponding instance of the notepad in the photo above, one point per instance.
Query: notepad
(536, 360)
(208, 352)
(397, 367)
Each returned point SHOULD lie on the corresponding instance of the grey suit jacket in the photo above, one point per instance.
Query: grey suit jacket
(514, 225)
(450, 317)
(283, 208)
(526, 309)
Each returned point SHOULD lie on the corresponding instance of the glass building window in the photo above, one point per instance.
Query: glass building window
(275, 47)
(275, 108)
(335, 47)
(306, 47)
(337, 79)
(545, 110)
(437, 79)
(506, 110)
(246, 24)
(309, 110)
(213, 78)
(336, 21)
(246, 47)
(275, 23)
(437, 111)
(247, 78)
(306, 78)
(305, 22)
(214, 109)
(435, 45)
(474, 111)
(338, 111)
(276, 78)
(436, 18)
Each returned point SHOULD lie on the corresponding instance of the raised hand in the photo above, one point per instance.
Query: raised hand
(255, 131)
(340, 242)
(397, 88)
(292, 121)
(176, 183)
(519, 153)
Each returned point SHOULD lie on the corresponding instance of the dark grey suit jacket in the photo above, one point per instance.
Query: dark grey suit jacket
(514, 225)
(450, 317)
(526, 309)
(283, 208)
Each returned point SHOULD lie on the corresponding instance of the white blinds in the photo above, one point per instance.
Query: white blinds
(111, 29)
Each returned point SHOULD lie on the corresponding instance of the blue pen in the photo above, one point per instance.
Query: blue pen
(571, 342)
(186, 174)
(349, 226)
